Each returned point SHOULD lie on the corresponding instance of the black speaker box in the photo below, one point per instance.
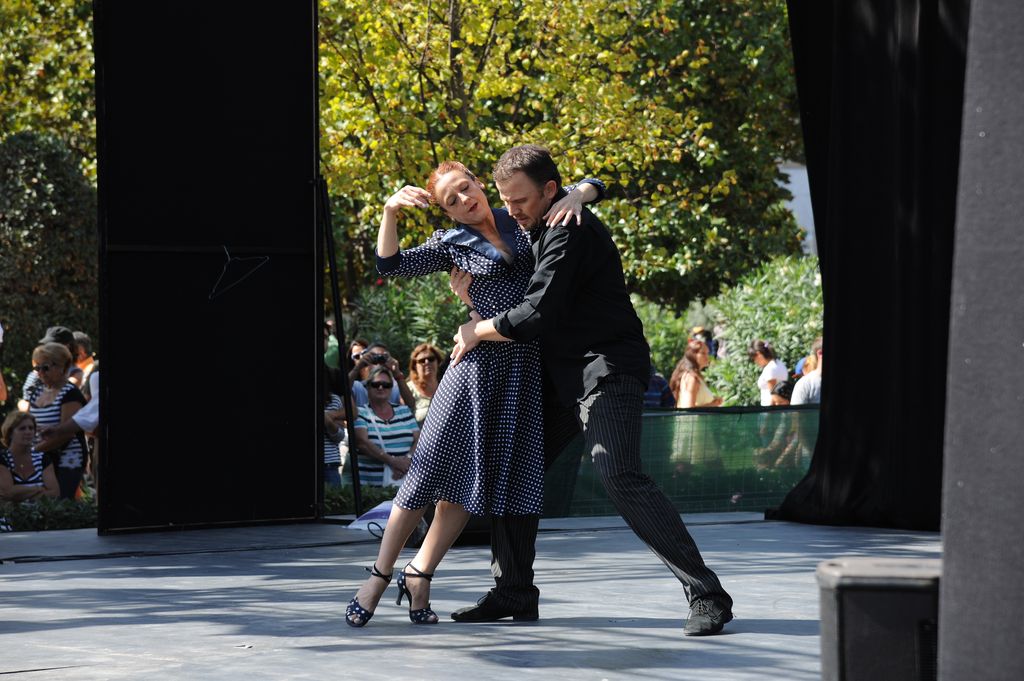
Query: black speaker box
(879, 619)
(210, 264)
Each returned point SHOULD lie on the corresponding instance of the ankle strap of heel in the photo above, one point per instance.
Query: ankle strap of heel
(377, 573)
(418, 573)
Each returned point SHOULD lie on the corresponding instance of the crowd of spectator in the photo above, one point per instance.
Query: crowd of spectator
(48, 448)
(385, 434)
(785, 439)
(687, 387)
(391, 405)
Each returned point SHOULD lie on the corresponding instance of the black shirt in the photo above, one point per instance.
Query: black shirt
(577, 302)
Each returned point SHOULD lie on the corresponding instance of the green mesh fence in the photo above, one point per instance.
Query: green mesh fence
(711, 460)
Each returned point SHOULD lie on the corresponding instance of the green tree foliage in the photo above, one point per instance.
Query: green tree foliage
(46, 72)
(779, 302)
(684, 108)
(48, 272)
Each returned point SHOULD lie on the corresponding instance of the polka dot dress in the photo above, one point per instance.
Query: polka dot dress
(482, 443)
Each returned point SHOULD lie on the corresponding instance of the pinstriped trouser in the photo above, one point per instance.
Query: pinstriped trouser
(610, 418)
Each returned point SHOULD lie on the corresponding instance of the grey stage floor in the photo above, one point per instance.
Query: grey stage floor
(268, 602)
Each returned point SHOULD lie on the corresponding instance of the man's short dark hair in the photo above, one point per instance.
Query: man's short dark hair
(533, 160)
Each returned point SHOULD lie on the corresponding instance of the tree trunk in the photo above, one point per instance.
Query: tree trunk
(458, 104)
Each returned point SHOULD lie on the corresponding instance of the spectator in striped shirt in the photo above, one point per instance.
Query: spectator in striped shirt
(386, 433)
(54, 334)
(24, 472)
(53, 400)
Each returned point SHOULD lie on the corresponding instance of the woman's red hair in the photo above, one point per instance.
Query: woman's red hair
(443, 169)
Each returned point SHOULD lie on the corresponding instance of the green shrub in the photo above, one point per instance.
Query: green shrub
(50, 514)
(780, 303)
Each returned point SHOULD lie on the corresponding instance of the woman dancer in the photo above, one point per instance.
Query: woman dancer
(481, 448)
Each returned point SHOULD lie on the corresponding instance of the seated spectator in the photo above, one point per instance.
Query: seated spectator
(386, 433)
(808, 388)
(377, 354)
(25, 472)
(54, 334)
(424, 375)
(772, 369)
(687, 382)
(53, 400)
(658, 393)
(84, 357)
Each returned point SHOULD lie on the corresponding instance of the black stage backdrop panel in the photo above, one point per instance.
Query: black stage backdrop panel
(880, 87)
(210, 263)
(981, 599)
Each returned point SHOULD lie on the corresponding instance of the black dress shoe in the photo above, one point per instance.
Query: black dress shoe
(707, 616)
(487, 609)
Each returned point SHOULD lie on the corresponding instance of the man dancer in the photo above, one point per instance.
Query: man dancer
(597, 365)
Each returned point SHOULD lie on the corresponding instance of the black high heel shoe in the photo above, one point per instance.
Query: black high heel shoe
(423, 615)
(354, 610)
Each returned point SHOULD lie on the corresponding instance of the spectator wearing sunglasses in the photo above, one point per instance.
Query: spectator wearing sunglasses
(377, 354)
(386, 432)
(66, 337)
(424, 376)
(53, 400)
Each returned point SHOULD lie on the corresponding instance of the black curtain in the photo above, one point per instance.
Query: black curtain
(881, 90)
